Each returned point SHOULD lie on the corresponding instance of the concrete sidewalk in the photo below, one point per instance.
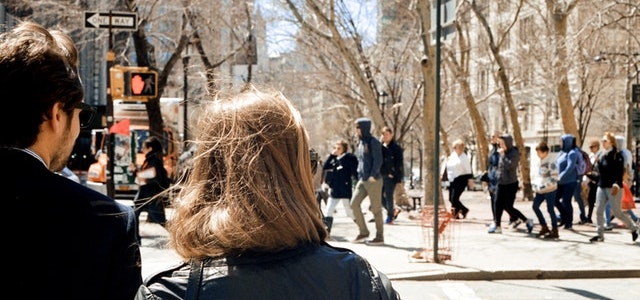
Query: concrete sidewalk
(475, 254)
(478, 255)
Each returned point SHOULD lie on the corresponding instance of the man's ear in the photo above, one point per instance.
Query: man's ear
(58, 117)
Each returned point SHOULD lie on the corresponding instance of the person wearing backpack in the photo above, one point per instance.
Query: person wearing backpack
(392, 171)
(567, 161)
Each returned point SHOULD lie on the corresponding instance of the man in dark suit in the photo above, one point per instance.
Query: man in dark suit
(79, 244)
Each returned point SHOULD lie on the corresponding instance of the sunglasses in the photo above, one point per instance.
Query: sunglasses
(86, 113)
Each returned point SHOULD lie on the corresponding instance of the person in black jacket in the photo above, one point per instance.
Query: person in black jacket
(79, 243)
(246, 222)
(153, 180)
(608, 172)
(392, 171)
(340, 169)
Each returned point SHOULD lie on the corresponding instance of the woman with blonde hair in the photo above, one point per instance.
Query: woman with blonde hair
(608, 172)
(460, 175)
(246, 221)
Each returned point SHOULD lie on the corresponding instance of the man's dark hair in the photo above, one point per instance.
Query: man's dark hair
(38, 68)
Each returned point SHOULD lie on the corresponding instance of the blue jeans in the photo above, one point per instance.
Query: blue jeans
(565, 192)
(550, 198)
(578, 196)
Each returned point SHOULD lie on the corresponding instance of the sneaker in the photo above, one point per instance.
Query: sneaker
(596, 238)
(376, 242)
(529, 225)
(360, 238)
(608, 227)
(516, 223)
(389, 222)
(495, 229)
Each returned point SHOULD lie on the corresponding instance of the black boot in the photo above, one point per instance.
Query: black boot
(328, 222)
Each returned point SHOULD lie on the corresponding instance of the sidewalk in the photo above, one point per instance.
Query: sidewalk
(475, 254)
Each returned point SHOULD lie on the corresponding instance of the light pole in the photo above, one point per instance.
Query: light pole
(382, 99)
(185, 93)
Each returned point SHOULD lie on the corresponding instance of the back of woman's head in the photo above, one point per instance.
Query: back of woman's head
(250, 189)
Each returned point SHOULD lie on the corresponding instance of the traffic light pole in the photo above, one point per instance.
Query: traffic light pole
(111, 137)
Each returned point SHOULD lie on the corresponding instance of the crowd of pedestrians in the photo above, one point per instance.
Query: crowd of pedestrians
(249, 203)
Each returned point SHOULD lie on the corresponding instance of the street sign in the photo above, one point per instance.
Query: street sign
(635, 93)
(119, 20)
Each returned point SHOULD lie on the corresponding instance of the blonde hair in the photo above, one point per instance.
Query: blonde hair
(457, 143)
(250, 189)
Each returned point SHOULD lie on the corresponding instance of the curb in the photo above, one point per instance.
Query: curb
(516, 275)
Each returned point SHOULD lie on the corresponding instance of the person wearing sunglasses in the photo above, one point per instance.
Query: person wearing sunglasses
(81, 242)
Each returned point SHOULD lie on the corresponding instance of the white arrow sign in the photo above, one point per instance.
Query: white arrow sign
(119, 20)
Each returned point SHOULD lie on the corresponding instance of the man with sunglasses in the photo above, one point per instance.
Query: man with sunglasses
(80, 243)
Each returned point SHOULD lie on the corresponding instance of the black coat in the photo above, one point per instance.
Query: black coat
(340, 173)
(65, 241)
(392, 161)
(157, 184)
(307, 272)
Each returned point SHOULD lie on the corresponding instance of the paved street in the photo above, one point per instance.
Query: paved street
(474, 254)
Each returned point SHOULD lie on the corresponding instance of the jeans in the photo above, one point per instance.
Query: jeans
(550, 198)
(388, 187)
(565, 192)
(578, 196)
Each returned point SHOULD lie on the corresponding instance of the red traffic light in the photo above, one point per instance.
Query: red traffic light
(141, 84)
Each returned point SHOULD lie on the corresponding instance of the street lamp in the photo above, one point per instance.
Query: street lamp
(382, 99)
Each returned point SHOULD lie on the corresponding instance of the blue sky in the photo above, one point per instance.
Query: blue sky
(280, 33)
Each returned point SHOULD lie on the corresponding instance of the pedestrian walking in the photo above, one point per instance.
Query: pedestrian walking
(460, 176)
(491, 180)
(369, 154)
(609, 171)
(567, 162)
(79, 243)
(152, 180)
(507, 179)
(545, 185)
(246, 222)
(392, 171)
(341, 171)
(592, 185)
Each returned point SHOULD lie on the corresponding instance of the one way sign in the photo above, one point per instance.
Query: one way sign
(115, 20)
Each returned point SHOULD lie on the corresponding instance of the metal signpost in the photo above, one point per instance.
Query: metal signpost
(110, 20)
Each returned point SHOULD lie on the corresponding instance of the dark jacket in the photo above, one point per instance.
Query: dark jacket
(507, 172)
(369, 152)
(493, 162)
(72, 243)
(157, 184)
(609, 168)
(392, 161)
(308, 272)
(340, 173)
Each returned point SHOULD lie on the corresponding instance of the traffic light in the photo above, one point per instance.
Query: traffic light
(141, 84)
(133, 83)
